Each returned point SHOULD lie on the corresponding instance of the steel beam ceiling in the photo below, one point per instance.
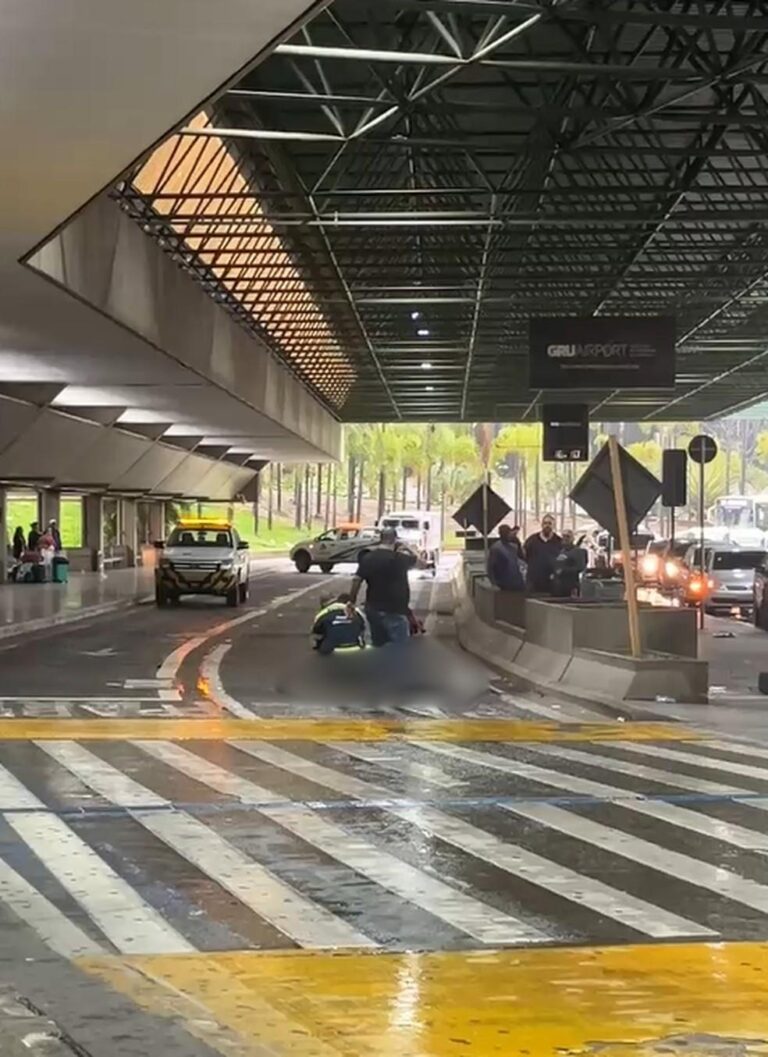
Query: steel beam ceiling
(434, 172)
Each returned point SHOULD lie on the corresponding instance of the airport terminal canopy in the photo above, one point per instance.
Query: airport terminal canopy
(392, 194)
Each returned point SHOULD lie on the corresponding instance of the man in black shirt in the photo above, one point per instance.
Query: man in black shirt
(388, 594)
(541, 551)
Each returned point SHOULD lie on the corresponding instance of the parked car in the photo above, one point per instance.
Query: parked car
(729, 576)
(345, 543)
(202, 557)
(662, 563)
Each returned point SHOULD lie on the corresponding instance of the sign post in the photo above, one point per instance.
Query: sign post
(635, 643)
(702, 450)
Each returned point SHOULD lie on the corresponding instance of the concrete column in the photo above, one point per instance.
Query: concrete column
(93, 526)
(4, 542)
(50, 507)
(157, 520)
(129, 522)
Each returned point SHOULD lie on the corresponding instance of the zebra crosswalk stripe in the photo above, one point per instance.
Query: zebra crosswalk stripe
(386, 868)
(392, 758)
(710, 763)
(121, 914)
(641, 770)
(53, 927)
(715, 879)
(462, 911)
(304, 921)
(595, 895)
(695, 821)
(736, 747)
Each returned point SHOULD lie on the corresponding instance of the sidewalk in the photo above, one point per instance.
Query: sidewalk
(26, 608)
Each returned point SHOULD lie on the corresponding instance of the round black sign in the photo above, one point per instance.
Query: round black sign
(702, 448)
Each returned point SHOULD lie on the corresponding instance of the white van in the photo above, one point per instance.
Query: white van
(420, 529)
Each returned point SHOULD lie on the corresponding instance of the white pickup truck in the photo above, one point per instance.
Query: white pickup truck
(421, 530)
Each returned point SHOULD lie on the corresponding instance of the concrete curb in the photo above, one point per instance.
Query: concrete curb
(610, 707)
(65, 618)
(24, 1031)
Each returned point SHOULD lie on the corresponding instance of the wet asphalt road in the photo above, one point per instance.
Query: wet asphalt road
(411, 823)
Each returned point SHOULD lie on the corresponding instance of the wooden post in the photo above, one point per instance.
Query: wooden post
(624, 543)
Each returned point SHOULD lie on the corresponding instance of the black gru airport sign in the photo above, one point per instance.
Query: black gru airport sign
(602, 352)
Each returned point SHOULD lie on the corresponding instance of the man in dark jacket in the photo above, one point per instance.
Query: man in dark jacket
(569, 565)
(504, 569)
(34, 536)
(541, 551)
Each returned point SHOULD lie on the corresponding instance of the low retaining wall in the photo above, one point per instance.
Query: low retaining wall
(580, 646)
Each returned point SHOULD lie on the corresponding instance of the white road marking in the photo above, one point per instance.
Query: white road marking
(393, 758)
(210, 670)
(53, 927)
(677, 815)
(122, 915)
(169, 668)
(148, 684)
(583, 785)
(595, 895)
(738, 748)
(465, 913)
(708, 763)
(307, 923)
(704, 875)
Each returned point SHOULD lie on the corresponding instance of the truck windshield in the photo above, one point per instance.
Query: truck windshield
(403, 523)
(205, 537)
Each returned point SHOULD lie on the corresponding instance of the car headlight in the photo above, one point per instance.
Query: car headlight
(650, 565)
(672, 569)
(226, 564)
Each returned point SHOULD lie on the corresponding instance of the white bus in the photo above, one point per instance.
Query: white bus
(741, 512)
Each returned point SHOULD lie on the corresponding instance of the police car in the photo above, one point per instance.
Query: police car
(202, 557)
(345, 543)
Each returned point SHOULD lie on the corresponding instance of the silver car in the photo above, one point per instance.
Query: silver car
(730, 574)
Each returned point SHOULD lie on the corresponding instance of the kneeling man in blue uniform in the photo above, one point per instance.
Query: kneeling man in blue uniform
(338, 627)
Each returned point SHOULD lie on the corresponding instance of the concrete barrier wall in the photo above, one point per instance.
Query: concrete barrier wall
(583, 648)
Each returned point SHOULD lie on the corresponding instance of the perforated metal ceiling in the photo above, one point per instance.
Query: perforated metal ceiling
(407, 181)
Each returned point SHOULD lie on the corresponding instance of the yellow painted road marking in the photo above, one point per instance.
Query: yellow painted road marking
(205, 729)
(704, 1000)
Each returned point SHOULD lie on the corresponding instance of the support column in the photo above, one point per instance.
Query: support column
(157, 520)
(4, 541)
(50, 507)
(129, 521)
(93, 530)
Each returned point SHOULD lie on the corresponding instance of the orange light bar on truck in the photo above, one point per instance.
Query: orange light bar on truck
(203, 523)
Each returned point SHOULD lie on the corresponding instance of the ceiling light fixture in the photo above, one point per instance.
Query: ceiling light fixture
(415, 314)
(430, 388)
(423, 332)
(426, 366)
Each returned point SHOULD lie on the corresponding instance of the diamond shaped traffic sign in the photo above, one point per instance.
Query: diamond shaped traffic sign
(471, 510)
(594, 490)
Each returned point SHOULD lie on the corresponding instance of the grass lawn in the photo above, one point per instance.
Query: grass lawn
(281, 537)
(23, 511)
